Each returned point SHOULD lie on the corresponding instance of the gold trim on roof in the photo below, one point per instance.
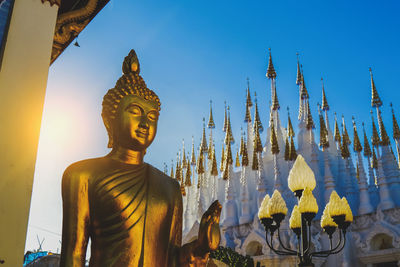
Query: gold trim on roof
(71, 22)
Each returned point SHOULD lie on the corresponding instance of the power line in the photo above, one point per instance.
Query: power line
(45, 230)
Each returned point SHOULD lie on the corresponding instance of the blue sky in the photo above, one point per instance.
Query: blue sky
(191, 52)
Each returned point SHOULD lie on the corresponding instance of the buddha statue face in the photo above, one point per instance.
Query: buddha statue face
(135, 123)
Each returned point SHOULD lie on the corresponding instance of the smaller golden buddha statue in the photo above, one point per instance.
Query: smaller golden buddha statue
(130, 211)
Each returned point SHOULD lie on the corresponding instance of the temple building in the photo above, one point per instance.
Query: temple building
(240, 180)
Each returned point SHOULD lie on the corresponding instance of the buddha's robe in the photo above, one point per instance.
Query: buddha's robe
(131, 213)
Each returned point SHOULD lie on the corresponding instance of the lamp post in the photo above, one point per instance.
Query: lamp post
(337, 215)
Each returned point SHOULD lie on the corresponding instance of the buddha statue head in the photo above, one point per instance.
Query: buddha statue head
(130, 109)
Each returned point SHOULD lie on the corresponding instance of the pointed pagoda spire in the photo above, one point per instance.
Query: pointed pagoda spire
(200, 164)
(337, 131)
(385, 140)
(344, 148)
(255, 165)
(345, 135)
(298, 76)
(214, 168)
(229, 128)
(257, 145)
(210, 145)
(374, 162)
(178, 171)
(183, 191)
(356, 140)
(228, 133)
(309, 123)
(225, 119)
(184, 163)
(375, 99)
(274, 140)
(375, 140)
(293, 153)
(237, 161)
(245, 156)
(325, 105)
(367, 148)
(241, 142)
(203, 144)
(248, 96)
(275, 102)
(290, 130)
(303, 92)
(193, 156)
(323, 132)
(228, 160)
(287, 149)
(249, 104)
(257, 115)
(222, 157)
(271, 73)
(211, 124)
(172, 173)
(396, 129)
(188, 180)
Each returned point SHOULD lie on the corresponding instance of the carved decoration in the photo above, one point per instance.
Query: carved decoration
(53, 2)
(71, 21)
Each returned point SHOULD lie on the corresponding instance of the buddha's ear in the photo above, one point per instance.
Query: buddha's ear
(107, 124)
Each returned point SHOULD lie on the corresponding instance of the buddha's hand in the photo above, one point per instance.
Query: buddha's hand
(209, 233)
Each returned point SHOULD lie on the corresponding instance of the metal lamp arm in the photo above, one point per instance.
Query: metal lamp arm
(283, 246)
(309, 239)
(326, 253)
(275, 250)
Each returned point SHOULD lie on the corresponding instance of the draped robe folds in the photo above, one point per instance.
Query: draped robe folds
(131, 213)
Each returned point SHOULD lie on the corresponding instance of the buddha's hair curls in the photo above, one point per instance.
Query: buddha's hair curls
(130, 83)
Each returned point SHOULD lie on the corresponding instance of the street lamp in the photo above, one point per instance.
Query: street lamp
(336, 215)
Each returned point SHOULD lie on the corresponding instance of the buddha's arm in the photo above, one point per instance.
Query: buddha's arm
(195, 254)
(75, 219)
(191, 254)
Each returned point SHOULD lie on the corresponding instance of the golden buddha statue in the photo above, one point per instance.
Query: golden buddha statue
(131, 211)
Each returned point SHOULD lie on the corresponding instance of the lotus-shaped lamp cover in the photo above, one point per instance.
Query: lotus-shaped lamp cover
(307, 202)
(263, 211)
(295, 218)
(349, 214)
(326, 219)
(276, 204)
(336, 205)
(301, 176)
